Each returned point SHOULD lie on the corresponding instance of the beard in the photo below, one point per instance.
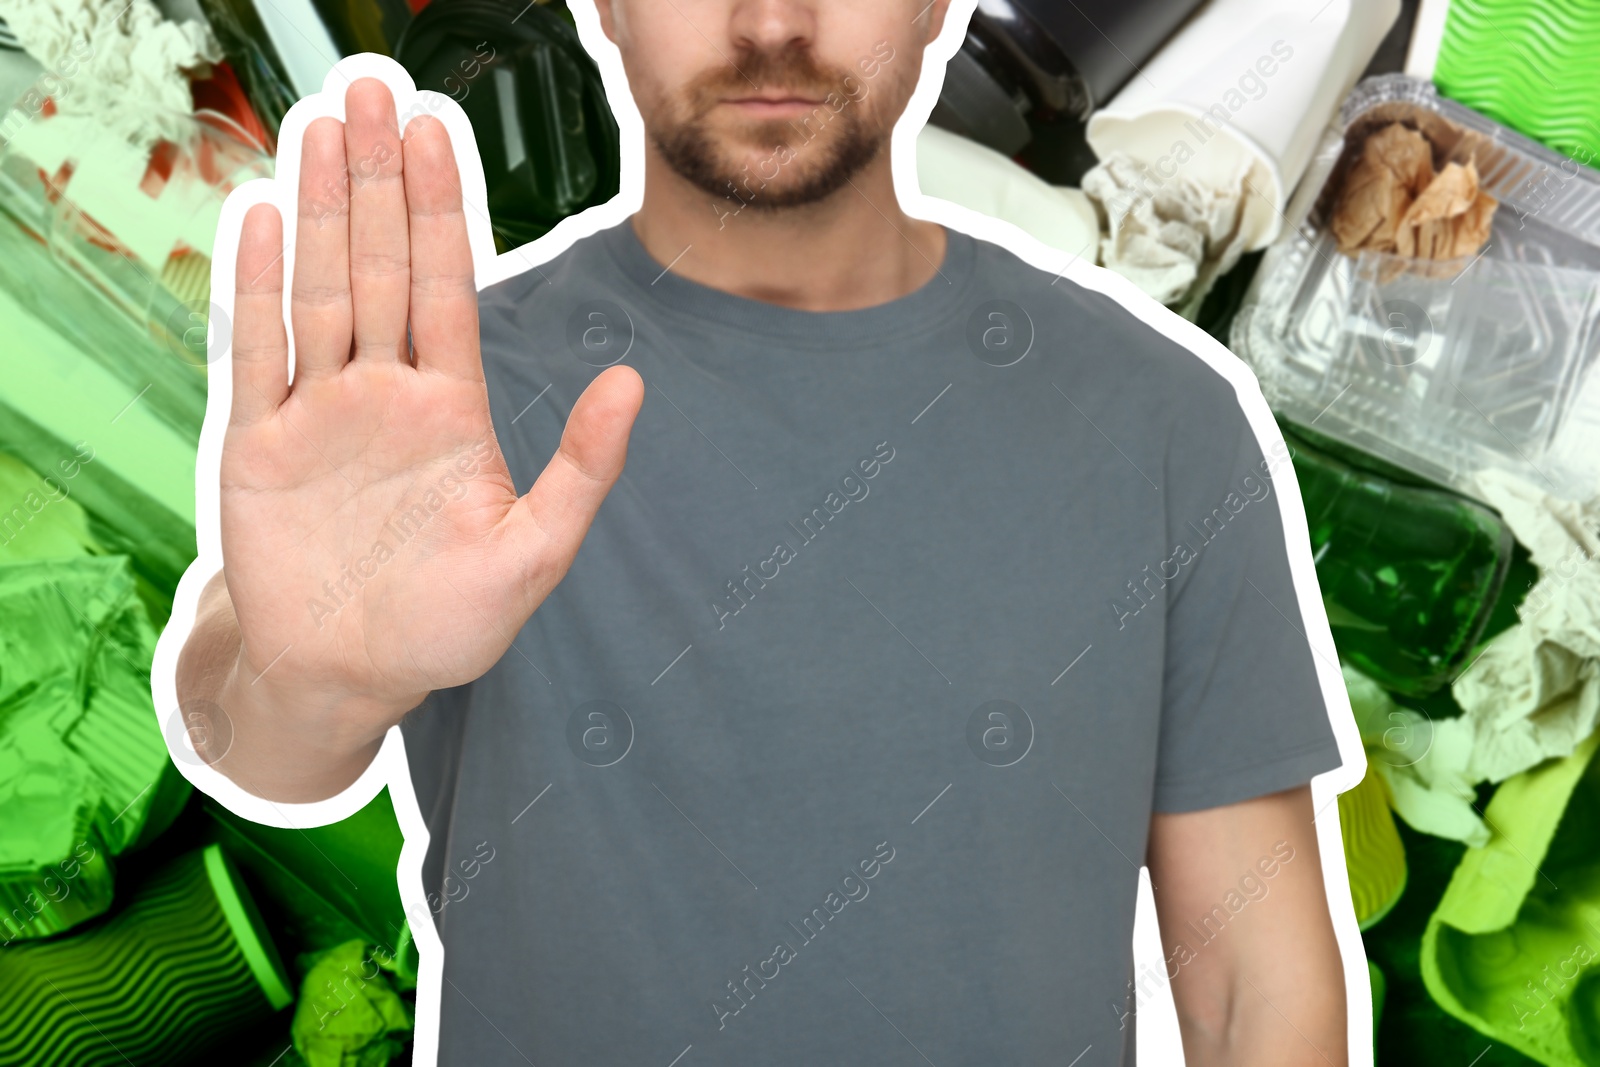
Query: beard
(815, 154)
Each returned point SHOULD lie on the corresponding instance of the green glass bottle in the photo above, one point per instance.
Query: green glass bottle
(1409, 575)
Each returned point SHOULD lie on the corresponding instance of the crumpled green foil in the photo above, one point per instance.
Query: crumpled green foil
(84, 772)
(349, 1013)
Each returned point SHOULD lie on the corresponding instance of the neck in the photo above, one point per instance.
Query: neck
(855, 249)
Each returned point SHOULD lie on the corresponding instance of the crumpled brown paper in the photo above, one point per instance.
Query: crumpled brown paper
(1451, 218)
(1396, 165)
(1392, 201)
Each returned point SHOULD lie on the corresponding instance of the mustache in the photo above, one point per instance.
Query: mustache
(791, 70)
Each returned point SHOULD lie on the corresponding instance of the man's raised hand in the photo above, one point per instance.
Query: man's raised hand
(374, 546)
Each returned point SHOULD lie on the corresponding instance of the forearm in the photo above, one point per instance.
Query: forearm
(1244, 917)
(1274, 1020)
(275, 740)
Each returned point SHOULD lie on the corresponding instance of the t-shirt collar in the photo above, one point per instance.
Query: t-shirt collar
(942, 297)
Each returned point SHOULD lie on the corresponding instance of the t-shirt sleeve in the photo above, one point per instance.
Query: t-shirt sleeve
(1243, 713)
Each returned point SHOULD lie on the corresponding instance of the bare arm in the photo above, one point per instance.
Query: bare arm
(1245, 929)
(374, 547)
(273, 741)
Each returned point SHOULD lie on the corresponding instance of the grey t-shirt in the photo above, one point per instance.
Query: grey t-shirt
(839, 741)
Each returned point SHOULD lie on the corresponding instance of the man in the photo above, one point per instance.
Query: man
(937, 594)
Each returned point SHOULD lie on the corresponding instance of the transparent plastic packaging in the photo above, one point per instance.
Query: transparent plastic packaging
(1445, 368)
(110, 246)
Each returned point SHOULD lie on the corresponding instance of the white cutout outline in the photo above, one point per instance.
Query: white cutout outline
(389, 768)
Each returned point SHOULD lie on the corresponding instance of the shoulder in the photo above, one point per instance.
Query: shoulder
(519, 295)
(1152, 366)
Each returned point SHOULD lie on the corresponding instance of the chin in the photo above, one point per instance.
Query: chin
(766, 165)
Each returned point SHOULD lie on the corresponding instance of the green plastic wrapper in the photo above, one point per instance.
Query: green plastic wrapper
(84, 772)
(55, 871)
(350, 1013)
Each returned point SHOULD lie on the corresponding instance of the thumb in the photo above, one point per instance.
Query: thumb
(548, 524)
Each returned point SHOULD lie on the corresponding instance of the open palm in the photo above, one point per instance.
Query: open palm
(373, 541)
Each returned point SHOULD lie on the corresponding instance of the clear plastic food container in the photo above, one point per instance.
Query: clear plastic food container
(1445, 367)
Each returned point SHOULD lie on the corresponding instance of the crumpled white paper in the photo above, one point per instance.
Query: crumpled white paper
(121, 63)
(1533, 693)
(1422, 761)
(1170, 237)
(1535, 690)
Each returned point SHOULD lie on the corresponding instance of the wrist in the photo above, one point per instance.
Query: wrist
(287, 740)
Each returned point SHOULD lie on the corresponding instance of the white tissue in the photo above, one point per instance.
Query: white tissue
(1534, 693)
(1172, 238)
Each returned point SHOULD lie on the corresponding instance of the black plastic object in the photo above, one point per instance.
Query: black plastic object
(537, 104)
(364, 25)
(1106, 41)
(1045, 60)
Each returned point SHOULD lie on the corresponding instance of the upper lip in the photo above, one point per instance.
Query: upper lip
(773, 98)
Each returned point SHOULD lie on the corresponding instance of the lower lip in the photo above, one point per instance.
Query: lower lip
(772, 108)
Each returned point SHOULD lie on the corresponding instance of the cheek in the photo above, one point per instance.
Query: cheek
(662, 54)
